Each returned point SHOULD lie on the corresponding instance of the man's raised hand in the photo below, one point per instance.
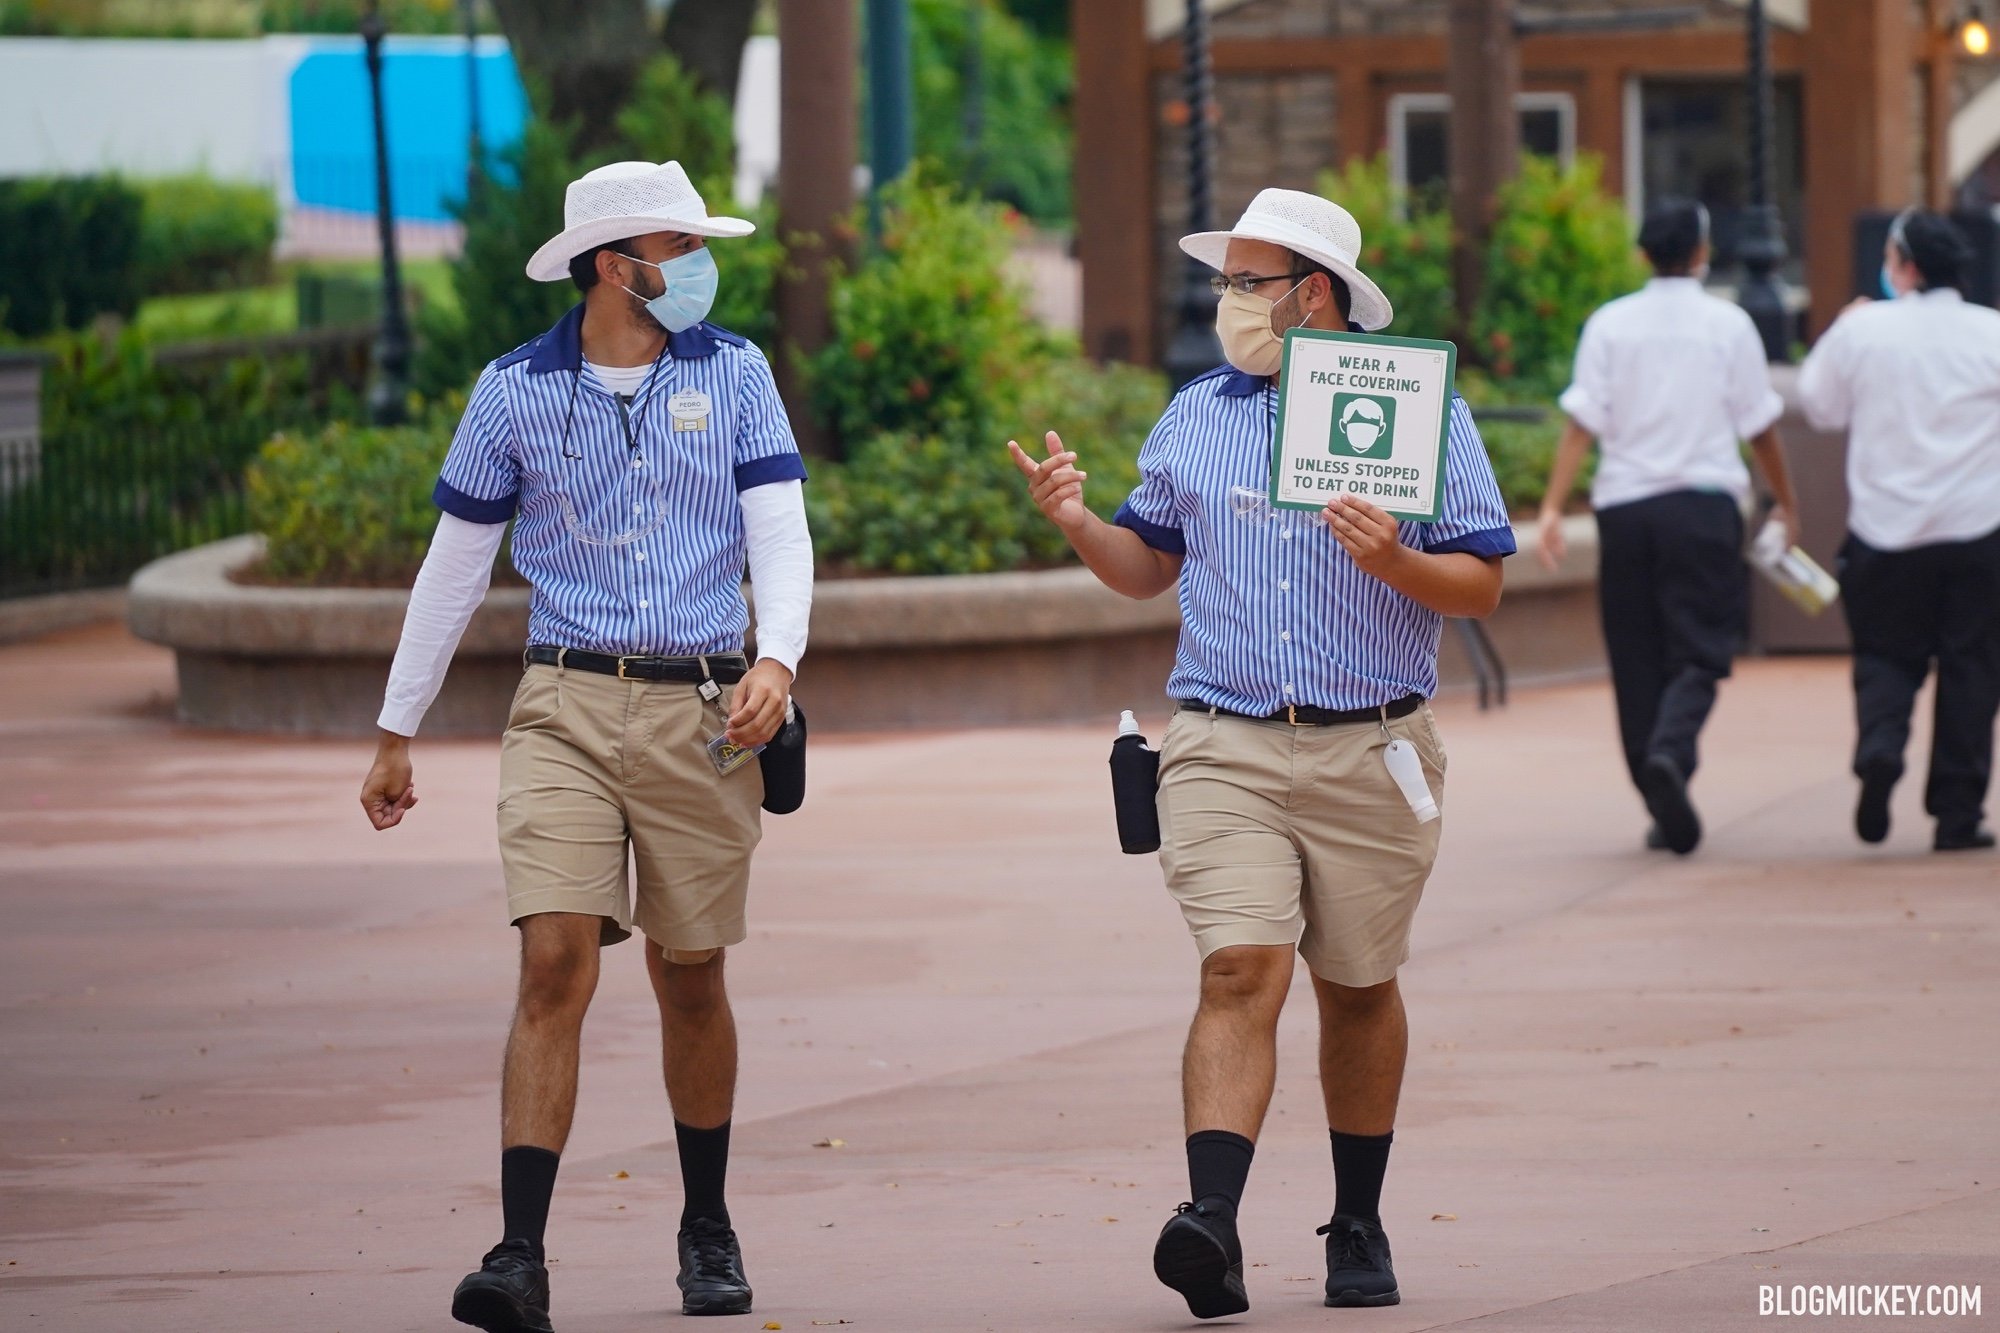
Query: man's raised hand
(1054, 483)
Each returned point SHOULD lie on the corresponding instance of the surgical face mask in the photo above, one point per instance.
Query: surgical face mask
(1363, 434)
(688, 285)
(1889, 291)
(1244, 324)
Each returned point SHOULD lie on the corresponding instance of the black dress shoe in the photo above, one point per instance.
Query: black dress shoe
(1199, 1256)
(1357, 1263)
(711, 1279)
(1971, 839)
(1871, 812)
(509, 1293)
(1666, 793)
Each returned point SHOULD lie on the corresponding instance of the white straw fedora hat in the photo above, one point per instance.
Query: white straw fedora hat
(1318, 229)
(627, 199)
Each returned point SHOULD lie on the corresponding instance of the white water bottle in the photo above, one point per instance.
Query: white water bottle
(1406, 766)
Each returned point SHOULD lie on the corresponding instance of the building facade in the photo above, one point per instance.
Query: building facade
(1875, 108)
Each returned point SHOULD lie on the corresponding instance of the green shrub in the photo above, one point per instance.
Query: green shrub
(346, 504)
(121, 384)
(929, 504)
(1022, 153)
(930, 333)
(1406, 247)
(203, 235)
(219, 18)
(671, 118)
(68, 248)
(1561, 247)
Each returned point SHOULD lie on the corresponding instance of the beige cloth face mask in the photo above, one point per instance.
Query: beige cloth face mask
(1244, 325)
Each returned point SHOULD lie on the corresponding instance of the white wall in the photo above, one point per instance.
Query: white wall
(142, 107)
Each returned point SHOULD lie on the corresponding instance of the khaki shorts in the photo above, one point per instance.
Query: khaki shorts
(591, 764)
(1278, 835)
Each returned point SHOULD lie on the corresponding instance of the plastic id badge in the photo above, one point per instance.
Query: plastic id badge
(727, 756)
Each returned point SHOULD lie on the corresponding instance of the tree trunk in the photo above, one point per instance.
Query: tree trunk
(580, 59)
(1485, 133)
(707, 37)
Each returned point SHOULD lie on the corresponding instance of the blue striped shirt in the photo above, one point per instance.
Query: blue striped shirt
(1273, 610)
(678, 588)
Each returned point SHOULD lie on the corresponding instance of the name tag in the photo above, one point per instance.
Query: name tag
(689, 408)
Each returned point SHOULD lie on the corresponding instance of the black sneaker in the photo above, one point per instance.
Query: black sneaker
(509, 1293)
(1871, 812)
(1964, 838)
(1357, 1263)
(711, 1279)
(1666, 793)
(1199, 1256)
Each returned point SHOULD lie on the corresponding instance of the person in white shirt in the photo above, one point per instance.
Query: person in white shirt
(1669, 380)
(1915, 381)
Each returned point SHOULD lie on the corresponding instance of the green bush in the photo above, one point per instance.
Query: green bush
(203, 235)
(218, 18)
(931, 504)
(121, 384)
(68, 248)
(348, 505)
(929, 331)
(1406, 247)
(1022, 153)
(1560, 249)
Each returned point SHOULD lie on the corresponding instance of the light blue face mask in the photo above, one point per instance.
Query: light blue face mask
(1889, 291)
(690, 281)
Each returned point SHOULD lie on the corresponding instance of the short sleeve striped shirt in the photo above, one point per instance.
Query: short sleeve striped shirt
(1273, 611)
(541, 430)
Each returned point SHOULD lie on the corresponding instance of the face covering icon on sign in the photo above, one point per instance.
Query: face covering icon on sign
(1363, 425)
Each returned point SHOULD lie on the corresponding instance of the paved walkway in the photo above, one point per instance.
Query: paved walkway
(250, 1047)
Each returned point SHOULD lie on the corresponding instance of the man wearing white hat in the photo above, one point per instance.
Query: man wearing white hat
(644, 458)
(1308, 646)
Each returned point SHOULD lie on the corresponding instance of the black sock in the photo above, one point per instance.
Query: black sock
(704, 1166)
(1218, 1167)
(527, 1182)
(1359, 1163)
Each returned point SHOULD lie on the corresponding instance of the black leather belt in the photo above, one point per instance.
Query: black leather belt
(724, 669)
(1307, 716)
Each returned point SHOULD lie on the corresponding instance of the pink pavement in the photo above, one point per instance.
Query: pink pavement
(251, 1047)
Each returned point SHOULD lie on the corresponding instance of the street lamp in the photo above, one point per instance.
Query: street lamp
(469, 12)
(1195, 348)
(388, 395)
(1762, 247)
(890, 132)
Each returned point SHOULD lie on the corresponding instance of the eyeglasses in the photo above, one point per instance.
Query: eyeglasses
(1244, 284)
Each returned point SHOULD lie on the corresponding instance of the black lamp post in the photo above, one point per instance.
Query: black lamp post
(1762, 293)
(469, 12)
(1194, 347)
(387, 396)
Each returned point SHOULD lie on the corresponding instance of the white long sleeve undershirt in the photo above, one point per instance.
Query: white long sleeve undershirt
(459, 566)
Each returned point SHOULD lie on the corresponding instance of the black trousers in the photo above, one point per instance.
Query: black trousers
(1674, 592)
(1906, 609)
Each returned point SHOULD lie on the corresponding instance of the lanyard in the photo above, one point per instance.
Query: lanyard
(626, 421)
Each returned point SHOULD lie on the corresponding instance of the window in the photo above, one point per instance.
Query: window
(1693, 137)
(1420, 134)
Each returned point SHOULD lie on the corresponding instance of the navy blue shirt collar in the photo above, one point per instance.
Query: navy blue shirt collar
(561, 348)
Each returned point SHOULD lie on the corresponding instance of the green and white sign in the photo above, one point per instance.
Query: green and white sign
(1363, 414)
